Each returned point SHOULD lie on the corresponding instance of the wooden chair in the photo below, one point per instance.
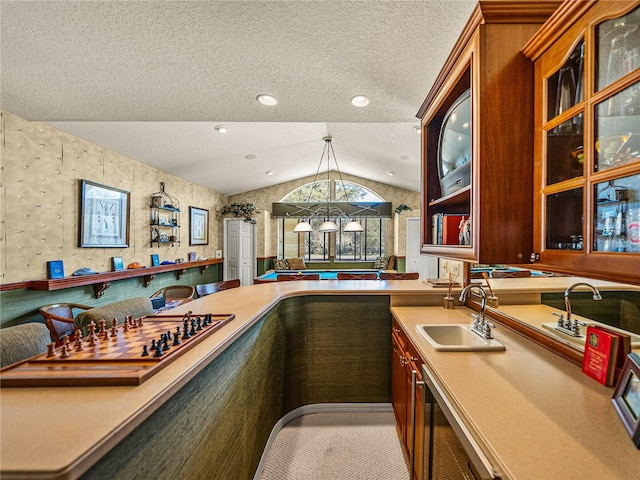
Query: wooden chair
(399, 276)
(302, 276)
(58, 318)
(514, 274)
(357, 276)
(209, 288)
(176, 291)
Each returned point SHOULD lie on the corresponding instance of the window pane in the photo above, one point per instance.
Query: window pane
(565, 86)
(564, 220)
(617, 215)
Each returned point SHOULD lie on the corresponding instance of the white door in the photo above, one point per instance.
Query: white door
(240, 251)
(425, 265)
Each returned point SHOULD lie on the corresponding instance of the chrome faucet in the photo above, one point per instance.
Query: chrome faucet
(568, 325)
(480, 326)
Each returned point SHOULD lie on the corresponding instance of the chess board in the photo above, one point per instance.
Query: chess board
(125, 354)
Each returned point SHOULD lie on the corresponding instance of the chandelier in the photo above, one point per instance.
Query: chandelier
(329, 209)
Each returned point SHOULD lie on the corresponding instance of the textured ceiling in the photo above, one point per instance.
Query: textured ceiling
(150, 79)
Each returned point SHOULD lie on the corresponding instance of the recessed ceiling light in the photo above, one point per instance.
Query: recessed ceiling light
(390, 173)
(222, 129)
(418, 130)
(269, 172)
(360, 101)
(267, 100)
(251, 156)
(403, 157)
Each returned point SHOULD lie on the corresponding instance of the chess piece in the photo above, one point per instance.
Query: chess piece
(51, 350)
(165, 342)
(78, 342)
(185, 329)
(176, 338)
(64, 353)
(93, 338)
(158, 352)
(145, 351)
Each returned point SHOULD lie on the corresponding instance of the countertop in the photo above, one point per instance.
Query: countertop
(60, 432)
(534, 414)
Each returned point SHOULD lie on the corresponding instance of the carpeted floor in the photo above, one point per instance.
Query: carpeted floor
(337, 446)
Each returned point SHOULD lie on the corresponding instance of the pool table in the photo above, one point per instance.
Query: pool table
(324, 274)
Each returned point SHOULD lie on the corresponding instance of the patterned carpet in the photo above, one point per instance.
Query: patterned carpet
(336, 446)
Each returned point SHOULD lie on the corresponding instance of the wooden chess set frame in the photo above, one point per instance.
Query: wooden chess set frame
(122, 354)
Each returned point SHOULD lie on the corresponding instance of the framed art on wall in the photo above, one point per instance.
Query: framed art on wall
(117, 264)
(104, 216)
(198, 226)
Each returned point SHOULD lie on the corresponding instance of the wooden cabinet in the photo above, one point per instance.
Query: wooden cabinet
(492, 138)
(587, 140)
(407, 397)
(164, 218)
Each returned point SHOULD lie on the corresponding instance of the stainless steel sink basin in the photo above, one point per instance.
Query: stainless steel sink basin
(635, 339)
(457, 338)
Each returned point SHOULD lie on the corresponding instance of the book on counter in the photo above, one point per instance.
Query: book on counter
(442, 282)
(446, 228)
(604, 354)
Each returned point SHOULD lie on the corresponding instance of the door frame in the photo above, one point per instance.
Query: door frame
(254, 254)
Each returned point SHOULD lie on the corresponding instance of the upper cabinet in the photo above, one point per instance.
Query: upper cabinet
(587, 140)
(477, 139)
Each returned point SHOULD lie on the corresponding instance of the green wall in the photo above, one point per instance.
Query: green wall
(301, 352)
(20, 306)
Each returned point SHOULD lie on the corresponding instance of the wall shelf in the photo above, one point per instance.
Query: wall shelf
(101, 281)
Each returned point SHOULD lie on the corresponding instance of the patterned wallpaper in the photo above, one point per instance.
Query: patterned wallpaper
(40, 189)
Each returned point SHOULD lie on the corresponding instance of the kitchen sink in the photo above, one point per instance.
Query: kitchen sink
(635, 339)
(457, 338)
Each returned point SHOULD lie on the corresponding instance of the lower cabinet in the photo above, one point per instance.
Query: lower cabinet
(435, 445)
(406, 397)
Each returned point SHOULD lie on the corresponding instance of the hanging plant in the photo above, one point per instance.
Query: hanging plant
(241, 210)
(402, 207)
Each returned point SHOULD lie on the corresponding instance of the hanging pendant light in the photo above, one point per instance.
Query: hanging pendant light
(328, 226)
(353, 227)
(302, 227)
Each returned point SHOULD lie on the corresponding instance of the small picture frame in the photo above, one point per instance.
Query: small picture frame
(55, 269)
(117, 264)
(163, 219)
(192, 256)
(155, 260)
(626, 397)
(198, 226)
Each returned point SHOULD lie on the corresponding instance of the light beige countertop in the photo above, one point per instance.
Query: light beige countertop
(527, 404)
(535, 415)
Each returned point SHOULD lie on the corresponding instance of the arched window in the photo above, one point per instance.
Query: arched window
(316, 246)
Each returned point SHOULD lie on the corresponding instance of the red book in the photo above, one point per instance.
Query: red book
(624, 349)
(451, 229)
(600, 354)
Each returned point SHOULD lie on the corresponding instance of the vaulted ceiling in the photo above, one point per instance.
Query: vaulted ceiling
(152, 80)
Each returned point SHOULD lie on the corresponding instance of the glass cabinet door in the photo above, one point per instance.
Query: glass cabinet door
(617, 43)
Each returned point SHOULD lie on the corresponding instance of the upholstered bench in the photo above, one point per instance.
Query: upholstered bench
(22, 341)
(137, 307)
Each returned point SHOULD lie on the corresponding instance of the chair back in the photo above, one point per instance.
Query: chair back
(400, 276)
(357, 276)
(21, 342)
(58, 318)
(302, 276)
(209, 288)
(514, 274)
(175, 291)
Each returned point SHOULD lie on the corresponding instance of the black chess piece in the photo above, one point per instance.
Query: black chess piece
(153, 344)
(198, 323)
(176, 338)
(158, 352)
(193, 328)
(186, 334)
(145, 351)
(165, 342)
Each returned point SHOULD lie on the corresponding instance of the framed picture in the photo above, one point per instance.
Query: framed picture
(192, 256)
(104, 216)
(198, 226)
(117, 264)
(155, 260)
(626, 397)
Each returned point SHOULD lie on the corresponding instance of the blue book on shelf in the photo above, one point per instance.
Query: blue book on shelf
(55, 269)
